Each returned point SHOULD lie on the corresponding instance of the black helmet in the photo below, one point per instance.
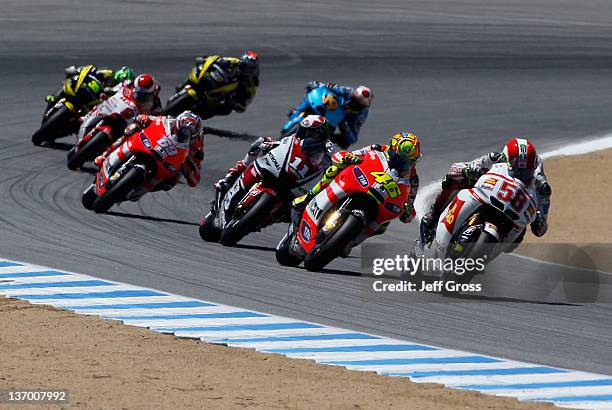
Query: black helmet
(249, 64)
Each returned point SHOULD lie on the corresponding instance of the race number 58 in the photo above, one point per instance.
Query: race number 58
(507, 193)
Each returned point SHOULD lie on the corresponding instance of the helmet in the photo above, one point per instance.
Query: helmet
(363, 95)
(404, 150)
(187, 126)
(145, 89)
(314, 131)
(523, 159)
(122, 74)
(330, 102)
(249, 64)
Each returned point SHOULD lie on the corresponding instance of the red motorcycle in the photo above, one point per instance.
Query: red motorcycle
(151, 155)
(361, 195)
(261, 195)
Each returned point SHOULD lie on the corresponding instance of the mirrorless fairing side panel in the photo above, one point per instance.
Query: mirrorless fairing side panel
(274, 162)
(453, 217)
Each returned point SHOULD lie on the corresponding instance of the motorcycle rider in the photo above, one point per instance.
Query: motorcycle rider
(108, 78)
(526, 165)
(314, 131)
(186, 129)
(219, 80)
(402, 152)
(356, 108)
(133, 98)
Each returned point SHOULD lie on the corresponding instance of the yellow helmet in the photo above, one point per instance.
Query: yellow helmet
(330, 102)
(406, 146)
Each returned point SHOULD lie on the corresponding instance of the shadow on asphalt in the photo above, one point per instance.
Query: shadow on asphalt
(151, 218)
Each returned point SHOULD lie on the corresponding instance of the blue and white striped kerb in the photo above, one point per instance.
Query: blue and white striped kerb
(221, 324)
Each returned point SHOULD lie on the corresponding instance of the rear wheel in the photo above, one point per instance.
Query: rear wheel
(88, 151)
(334, 244)
(59, 124)
(181, 103)
(208, 231)
(133, 179)
(250, 221)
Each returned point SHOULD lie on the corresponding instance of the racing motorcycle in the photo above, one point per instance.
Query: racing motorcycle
(80, 94)
(146, 157)
(194, 96)
(358, 196)
(100, 129)
(483, 221)
(320, 101)
(275, 179)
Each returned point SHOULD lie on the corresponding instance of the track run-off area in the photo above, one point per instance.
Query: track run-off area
(462, 75)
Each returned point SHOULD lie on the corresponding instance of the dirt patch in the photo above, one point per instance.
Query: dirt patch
(105, 364)
(580, 215)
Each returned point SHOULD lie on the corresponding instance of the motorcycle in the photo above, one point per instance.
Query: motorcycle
(146, 157)
(80, 94)
(194, 96)
(359, 196)
(274, 179)
(483, 221)
(320, 101)
(99, 130)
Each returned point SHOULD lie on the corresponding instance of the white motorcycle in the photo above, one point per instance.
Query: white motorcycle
(277, 177)
(484, 221)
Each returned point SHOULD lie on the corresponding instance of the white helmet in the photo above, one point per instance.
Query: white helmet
(363, 95)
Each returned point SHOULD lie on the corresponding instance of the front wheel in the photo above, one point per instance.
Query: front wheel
(59, 124)
(334, 244)
(77, 156)
(249, 222)
(133, 179)
(284, 255)
(208, 231)
(181, 103)
(88, 197)
(482, 248)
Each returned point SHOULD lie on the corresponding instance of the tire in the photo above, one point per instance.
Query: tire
(56, 126)
(249, 222)
(330, 249)
(175, 107)
(88, 151)
(479, 249)
(88, 197)
(283, 256)
(131, 180)
(482, 246)
(209, 232)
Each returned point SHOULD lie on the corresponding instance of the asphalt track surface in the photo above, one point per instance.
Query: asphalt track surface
(462, 74)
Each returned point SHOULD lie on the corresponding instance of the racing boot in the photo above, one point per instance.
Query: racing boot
(232, 175)
(428, 227)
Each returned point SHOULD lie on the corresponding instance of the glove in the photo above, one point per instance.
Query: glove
(471, 173)
(348, 159)
(131, 129)
(70, 71)
(408, 213)
(539, 225)
(311, 86)
(142, 120)
(300, 202)
(545, 190)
